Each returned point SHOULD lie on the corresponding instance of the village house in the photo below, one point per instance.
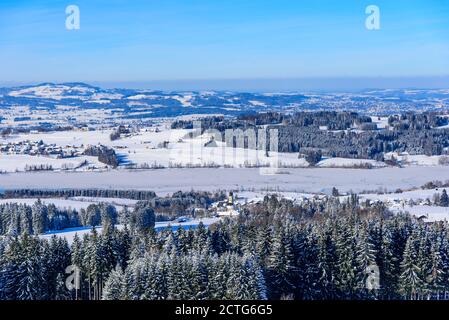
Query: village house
(38, 148)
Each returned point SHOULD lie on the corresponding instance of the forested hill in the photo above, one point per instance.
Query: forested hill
(340, 134)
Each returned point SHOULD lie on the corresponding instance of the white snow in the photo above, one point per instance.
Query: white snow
(418, 194)
(171, 180)
(63, 138)
(185, 100)
(347, 163)
(60, 203)
(75, 203)
(381, 122)
(415, 160)
(143, 148)
(138, 97)
(432, 213)
(16, 163)
(400, 202)
(257, 103)
(70, 233)
(56, 92)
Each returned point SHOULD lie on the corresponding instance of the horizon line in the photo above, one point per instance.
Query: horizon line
(332, 83)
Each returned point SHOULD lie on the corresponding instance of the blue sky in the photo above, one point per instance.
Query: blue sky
(138, 41)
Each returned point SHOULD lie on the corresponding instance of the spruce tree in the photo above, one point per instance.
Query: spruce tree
(435, 274)
(410, 283)
(199, 276)
(40, 218)
(444, 199)
(255, 279)
(366, 261)
(114, 285)
(238, 287)
(280, 266)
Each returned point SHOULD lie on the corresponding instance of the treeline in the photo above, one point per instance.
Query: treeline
(105, 155)
(19, 219)
(364, 145)
(320, 249)
(184, 203)
(16, 219)
(410, 132)
(333, 120)
(38, 167)
(116, 134)
(45, 127)
(177, 203)
(442, 199)
(330, 132)
(69, 193)
(417, 121)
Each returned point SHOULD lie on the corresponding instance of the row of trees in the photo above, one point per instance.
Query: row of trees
(68, 193)
(105, 155)
(17, 219)
(166, 208)
(366, 145)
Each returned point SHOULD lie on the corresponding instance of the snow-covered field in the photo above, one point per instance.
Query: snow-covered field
(143, 149)
(431, 213)
(75, 203)
(381, 122)
(348, 163)
(70, 233)
(415, 195)
(244, 197)
(294, 180)
(19, 162)
(415, 160)
(63, 138)
(171, 180)
(423, 199)
(116, 201)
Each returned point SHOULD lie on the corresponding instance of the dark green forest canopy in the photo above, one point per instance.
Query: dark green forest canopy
(333, 132)
(321, 249)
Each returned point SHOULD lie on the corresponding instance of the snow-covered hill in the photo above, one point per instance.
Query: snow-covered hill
(162, 104)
